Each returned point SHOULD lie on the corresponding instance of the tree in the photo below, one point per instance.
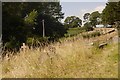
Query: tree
(13, 24)
(87, 27)
(53, 29)
(31, 18)
(48, 8)
(72, 22)
(23, 20)
(93, 18)
(30, 22)
(86, 17)
(111, 13)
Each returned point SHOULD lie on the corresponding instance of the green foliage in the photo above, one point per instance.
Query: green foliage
(93, 18)
(72, 21)
(22, 21)
(87, 27)
(90, 35)
(36, 41)
(74, 31)
(86, 17)
(13, 31)
(78, 30)
(12, 44)
(48, 8)
(31, 18)
(111, 13)
(53, 28)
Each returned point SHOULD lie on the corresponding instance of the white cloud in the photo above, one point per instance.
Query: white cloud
(98, 8)
(83, 11)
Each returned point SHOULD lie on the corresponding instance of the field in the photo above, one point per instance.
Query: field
(73, 31)
(73, 57)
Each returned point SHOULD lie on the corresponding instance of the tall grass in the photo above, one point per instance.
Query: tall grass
(66, 59)
(90, 35)
(74, 31)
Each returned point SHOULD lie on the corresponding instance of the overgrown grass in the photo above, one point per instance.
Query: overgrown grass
(90, 35)
(68, 59)
(74, 31)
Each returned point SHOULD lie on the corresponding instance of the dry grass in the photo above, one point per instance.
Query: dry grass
(68, 59)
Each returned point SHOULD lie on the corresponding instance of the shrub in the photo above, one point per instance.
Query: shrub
(35, 41)
(13, 44)
(73, 31)
(89, 35)
(94, 34)
(88, 27)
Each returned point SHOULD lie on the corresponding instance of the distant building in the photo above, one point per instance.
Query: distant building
(108, 26)
(99, 26)
(104, 26)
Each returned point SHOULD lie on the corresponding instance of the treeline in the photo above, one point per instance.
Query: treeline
(110, 15)
(22, 22)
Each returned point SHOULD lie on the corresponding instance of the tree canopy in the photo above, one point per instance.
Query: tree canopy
(24, 20)
(94, 18)
(111, 13)
(86, 17)
(73, 21)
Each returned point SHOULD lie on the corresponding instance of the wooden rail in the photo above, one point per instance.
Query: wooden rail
(102, 45)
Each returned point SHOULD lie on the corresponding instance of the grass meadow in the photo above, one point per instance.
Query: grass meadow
(73, 57)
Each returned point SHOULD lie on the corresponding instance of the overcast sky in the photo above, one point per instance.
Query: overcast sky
(80, 8)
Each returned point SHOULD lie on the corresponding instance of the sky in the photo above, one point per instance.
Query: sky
(80, 8)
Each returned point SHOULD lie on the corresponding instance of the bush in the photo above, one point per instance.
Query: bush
(73, 31)
(88, 27)
(13, 44)
(35, 41)
(94, 34)
(89, 35)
